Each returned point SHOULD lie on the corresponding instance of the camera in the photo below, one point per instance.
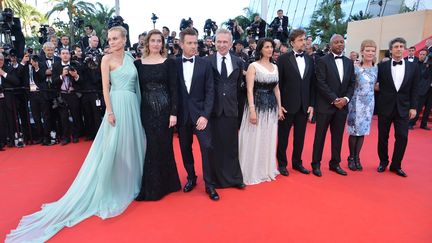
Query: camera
(185, 23)
(230, 24)
(210, 26)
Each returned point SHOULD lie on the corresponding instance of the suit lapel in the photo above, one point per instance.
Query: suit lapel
(333, 65)
(308, 61)
(406, 75)
(293, 62)
(234, 63)
(195, 70)
(388, 67)
(346, 73)
(214, 63)
(180, 73)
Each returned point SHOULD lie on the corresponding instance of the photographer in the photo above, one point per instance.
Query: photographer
(119, 21)
(257, 28)
(209, 27)
(235, 28)
(207, 48)
(187, 24)
(11, 29)
(279, 27)
(91, 88)
(7, 81)
(66, 75)
(19, 102)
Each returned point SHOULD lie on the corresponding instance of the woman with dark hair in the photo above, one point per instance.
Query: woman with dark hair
(361, 106)
(258, 131)
(158, 82)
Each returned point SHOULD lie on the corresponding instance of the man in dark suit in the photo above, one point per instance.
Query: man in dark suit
(297, 87)
(335, 87)
(424, 91)
(411, 55)
(279, 27)
(196, 96)
(397, 103)
(228, 76)
(7, 80)
(65, 79)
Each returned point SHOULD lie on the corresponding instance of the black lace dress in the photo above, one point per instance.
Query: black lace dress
(158, 84)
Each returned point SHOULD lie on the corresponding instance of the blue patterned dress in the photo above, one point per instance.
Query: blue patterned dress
(361, 106)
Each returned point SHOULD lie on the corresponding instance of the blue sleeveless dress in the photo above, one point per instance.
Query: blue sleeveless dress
(110, 177)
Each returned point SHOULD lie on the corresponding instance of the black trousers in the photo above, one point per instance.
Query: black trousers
(22, 112)
(3, 125)
(225, 155)
(204, 138)
(426, 102)
(336, 121)
(73, 107)
(299, 120)
(40, 108)
(92, 114)
(400, 124)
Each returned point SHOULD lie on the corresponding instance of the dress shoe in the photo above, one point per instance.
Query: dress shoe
(317, 172)
(399, 172)
(301, 169)
(75, 140)
(213, 195)
(410, 127)
(37, 141)
(338, 170)
(89, 138)
(1, 147)
(65, 141)
(240, 186)
(358, 164)
(425, 128)
(351, 164)
(283, 171)
(190, 184)
(381, 168)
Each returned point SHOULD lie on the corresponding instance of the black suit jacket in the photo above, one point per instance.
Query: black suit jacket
(57, 70)
(425, 78)
(11, 80)
(328, 84)
(199, 101)
(389, 97)
(296, 93)
(275, 23)
(227, 90)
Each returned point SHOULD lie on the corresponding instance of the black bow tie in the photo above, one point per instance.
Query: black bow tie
(338, 57)
(397, 63)
(188, 60)
(299, 55)
(49, 59)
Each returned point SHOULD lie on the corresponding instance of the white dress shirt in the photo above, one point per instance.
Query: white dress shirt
(398, 73)
(228, 63)
(339, 65)
(301, 63)
(188, 69)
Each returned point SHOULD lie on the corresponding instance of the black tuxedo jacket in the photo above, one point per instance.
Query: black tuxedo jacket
(328, 83)
(227, 90)
(57, 70)
(425, 78)
(11, 80)
(296, 93)
(389, 97)
(276, 21)
(199, 101)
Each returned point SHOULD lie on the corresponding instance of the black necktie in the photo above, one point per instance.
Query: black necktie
(224, 72)
(338, 57)
(299, 55)
(397, 63)
(188, 60)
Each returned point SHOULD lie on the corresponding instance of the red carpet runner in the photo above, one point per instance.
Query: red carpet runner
(362, 207)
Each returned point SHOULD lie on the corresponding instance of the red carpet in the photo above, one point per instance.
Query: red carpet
(362, 207)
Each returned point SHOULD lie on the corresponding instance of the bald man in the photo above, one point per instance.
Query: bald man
(334, 87)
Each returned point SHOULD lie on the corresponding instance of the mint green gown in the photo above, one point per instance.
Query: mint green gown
(110, 177)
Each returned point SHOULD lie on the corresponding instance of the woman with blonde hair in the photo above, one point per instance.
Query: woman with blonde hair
(158, 81)
(110, 176)
(361, 106)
